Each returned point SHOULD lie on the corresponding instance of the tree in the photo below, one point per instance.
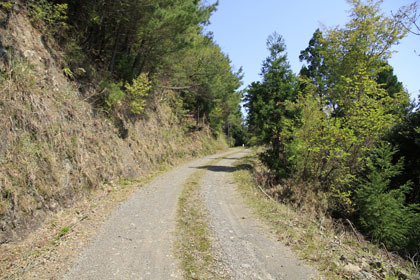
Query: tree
(315, 69)
(266, 101)
(406, 137)
(383, 212)
(346, 104)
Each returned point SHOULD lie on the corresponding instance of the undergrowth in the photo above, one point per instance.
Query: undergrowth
(334, 247)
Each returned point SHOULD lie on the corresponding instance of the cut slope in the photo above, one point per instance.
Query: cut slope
(55, 146)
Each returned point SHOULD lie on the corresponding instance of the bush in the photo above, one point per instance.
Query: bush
(137, 93)
(132, 100)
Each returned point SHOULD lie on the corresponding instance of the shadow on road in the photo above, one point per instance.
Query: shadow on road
(227, 169)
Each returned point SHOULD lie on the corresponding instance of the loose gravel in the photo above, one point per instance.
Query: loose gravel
(244, 244)
(137, 241)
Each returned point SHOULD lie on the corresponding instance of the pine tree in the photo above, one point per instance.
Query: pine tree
(383, 213)
(266, 102)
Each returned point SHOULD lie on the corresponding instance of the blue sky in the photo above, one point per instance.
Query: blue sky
(241, 28)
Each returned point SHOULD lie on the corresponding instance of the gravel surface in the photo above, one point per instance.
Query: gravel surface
(136, 242)
(243, 243)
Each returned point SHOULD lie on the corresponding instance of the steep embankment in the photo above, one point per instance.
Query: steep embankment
(54, 146)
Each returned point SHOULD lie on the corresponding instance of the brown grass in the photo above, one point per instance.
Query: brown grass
(57, 150)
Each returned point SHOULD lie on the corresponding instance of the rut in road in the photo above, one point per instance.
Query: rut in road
(137, 241)
(242, 242)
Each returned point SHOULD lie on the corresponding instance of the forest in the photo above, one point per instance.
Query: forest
(139, 49)
(342, 136)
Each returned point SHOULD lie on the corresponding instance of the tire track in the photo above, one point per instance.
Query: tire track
(242, 241)
(137, 241)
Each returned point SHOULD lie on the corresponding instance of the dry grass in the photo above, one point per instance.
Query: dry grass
(55, 149)
(57, 152)
(334, 247)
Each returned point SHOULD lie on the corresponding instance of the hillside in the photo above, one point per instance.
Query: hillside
(59, 139)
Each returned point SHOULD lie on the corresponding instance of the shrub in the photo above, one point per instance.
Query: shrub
(54, 16)
(137, 93)
(383, 213)
(132, 100)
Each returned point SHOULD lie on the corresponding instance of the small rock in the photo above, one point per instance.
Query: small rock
(367, 275)
(352, 268)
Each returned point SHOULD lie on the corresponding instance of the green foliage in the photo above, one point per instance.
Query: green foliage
(54, 16)
(321, 129)
(6, 5)
(406, 137)
(114, 94)
(130, 100)
(266, 102)
(383, 213)
(163, 38)
(137, 92)
(345, 105)
(63, 231)
(208, 85)
(66, 71)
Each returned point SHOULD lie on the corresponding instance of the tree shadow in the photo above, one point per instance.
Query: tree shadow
(226, 169)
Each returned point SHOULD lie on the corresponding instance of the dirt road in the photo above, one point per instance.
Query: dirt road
(244, 244)
(137, 241)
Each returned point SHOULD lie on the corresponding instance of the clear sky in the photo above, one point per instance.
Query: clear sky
(241, 28)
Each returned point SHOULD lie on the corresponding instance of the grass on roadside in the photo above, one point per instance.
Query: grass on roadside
(334, 248)
(193, 245)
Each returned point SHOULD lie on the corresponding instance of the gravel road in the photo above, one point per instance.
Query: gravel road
(242, 242)
(137, 241)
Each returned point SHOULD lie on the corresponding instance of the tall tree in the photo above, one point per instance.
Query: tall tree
(266, 101)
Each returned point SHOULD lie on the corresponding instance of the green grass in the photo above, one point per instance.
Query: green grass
(193, 246)
(324, 243)
(63, 231)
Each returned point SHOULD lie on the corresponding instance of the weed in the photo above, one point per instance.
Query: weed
(63, 231)
(126, 182)
(6, 5)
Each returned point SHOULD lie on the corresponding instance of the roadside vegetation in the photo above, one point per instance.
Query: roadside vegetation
(341, 138)
(333, 246)
(100, 91)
